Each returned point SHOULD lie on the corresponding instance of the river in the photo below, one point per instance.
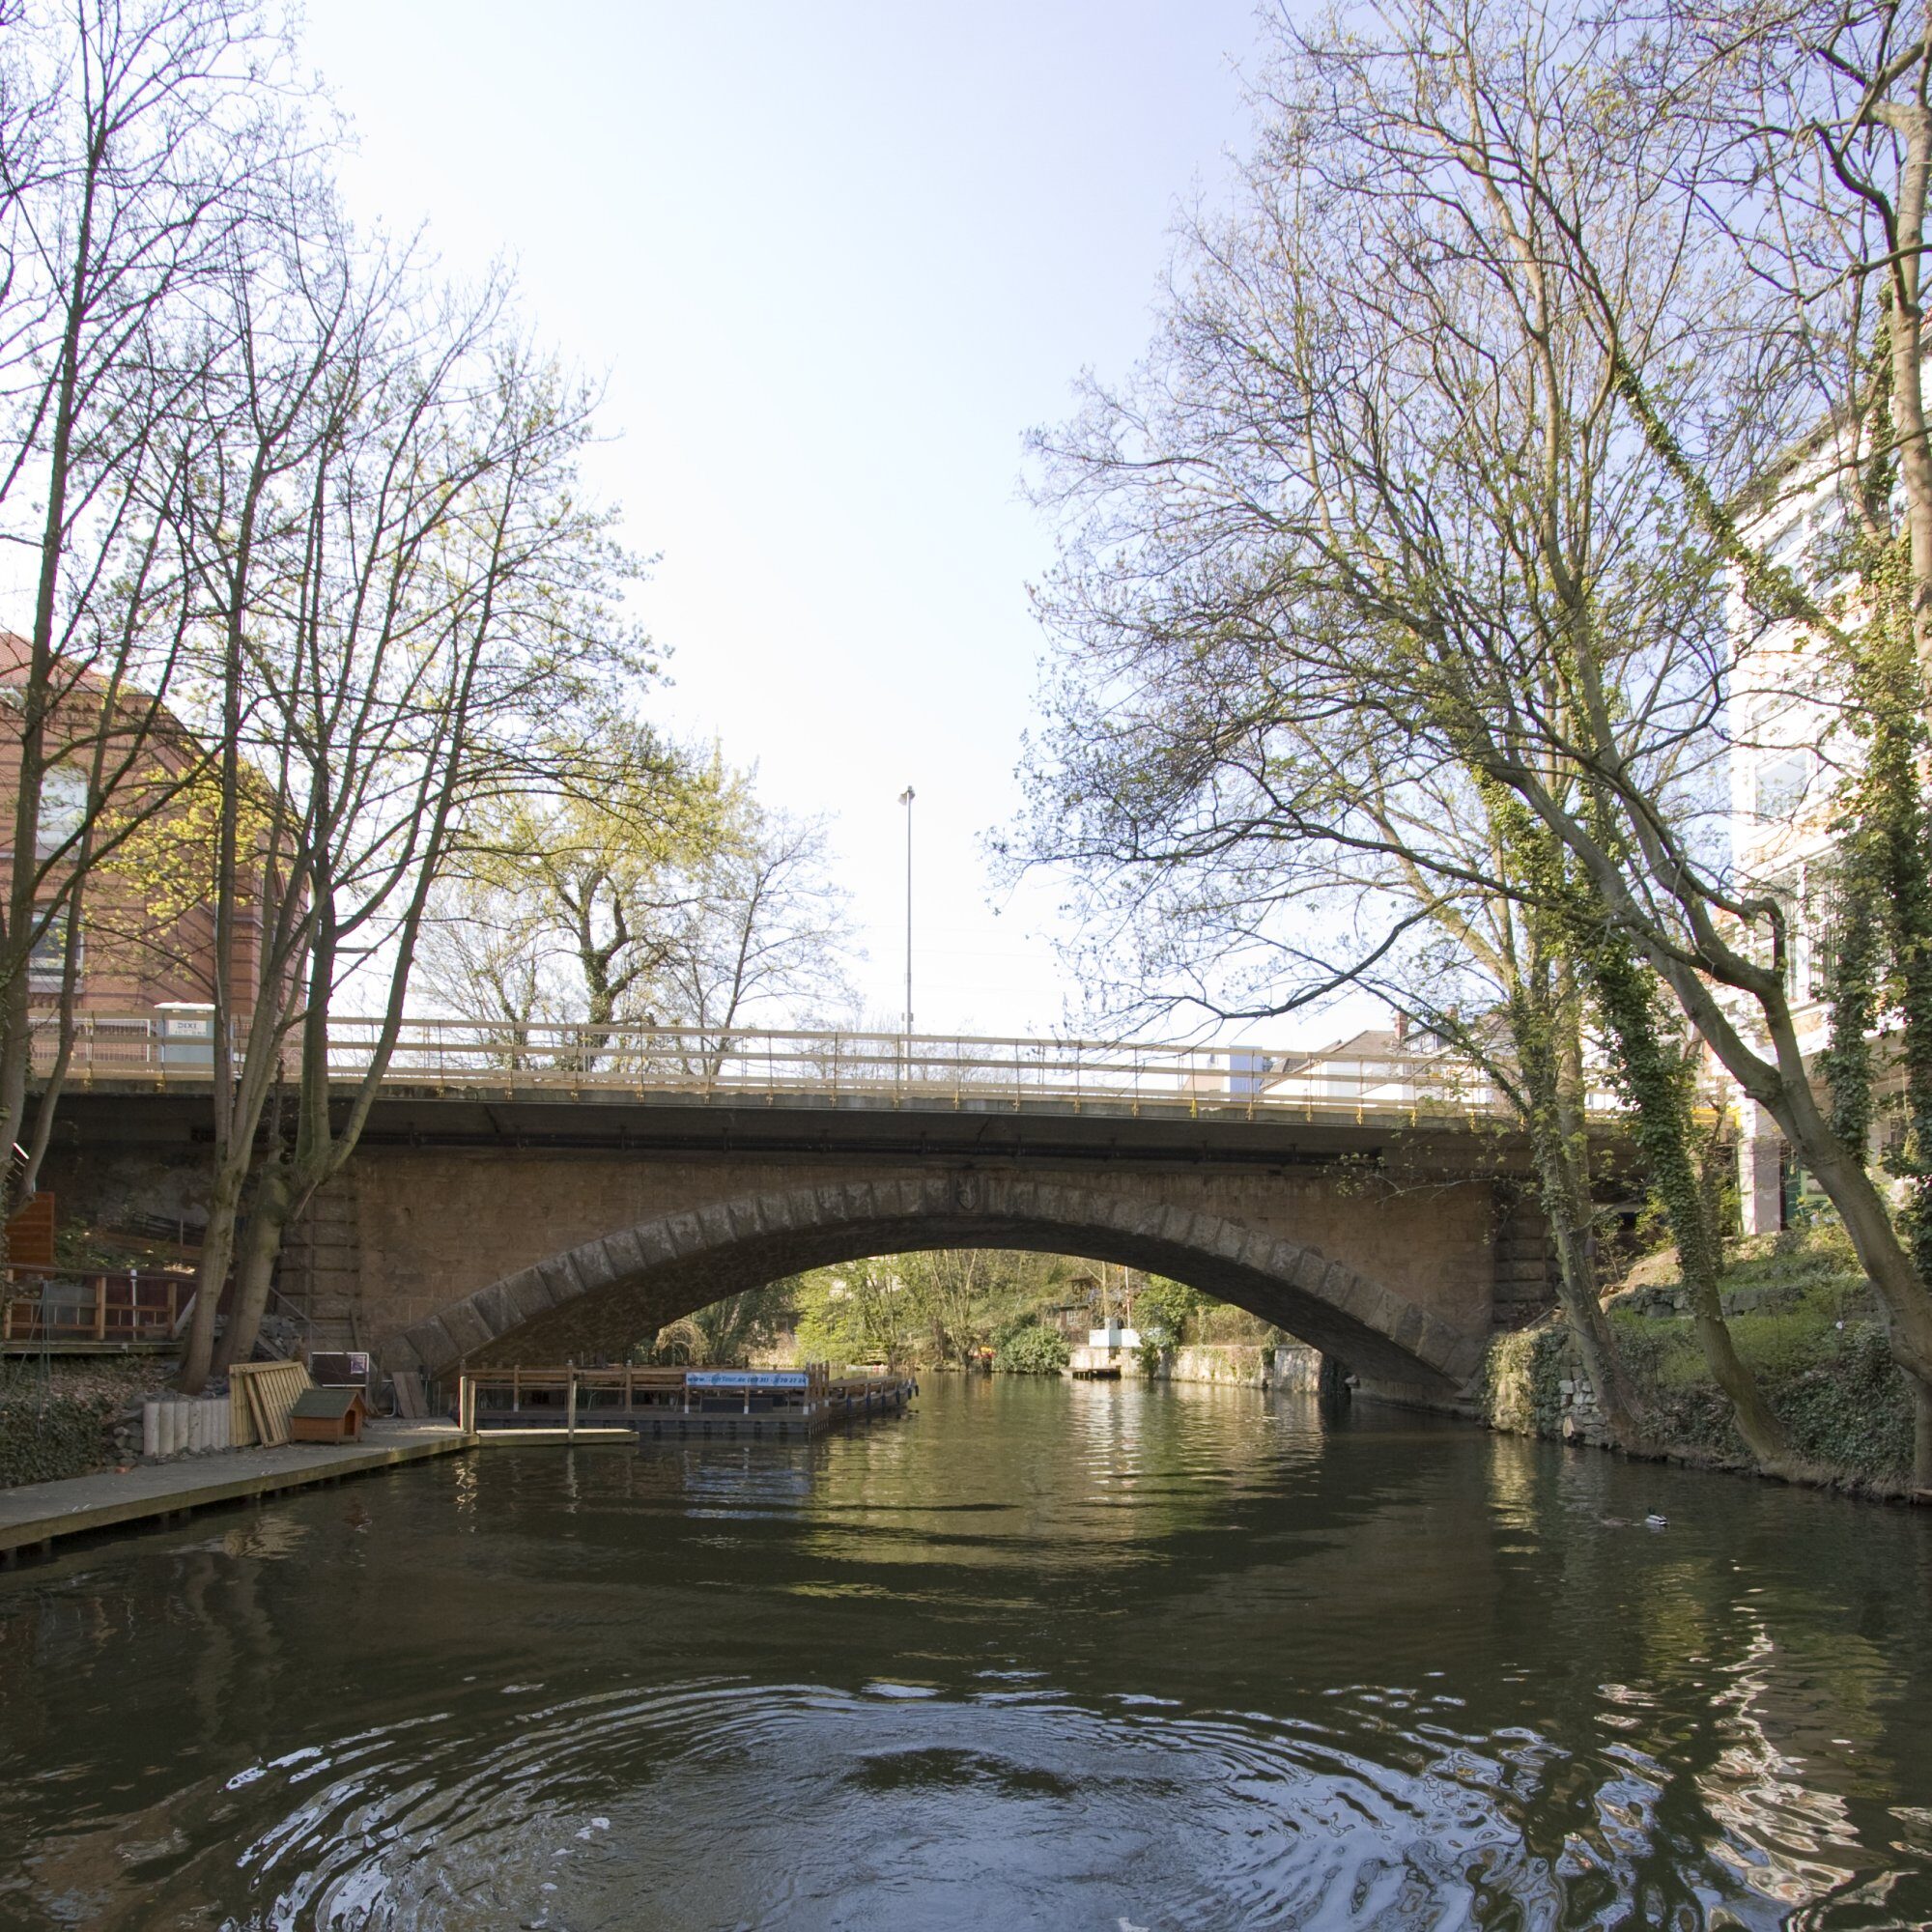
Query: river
(1039, 1654)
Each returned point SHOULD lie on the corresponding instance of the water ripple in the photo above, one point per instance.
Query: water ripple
(730, 1802)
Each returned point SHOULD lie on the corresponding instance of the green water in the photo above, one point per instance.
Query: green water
(1041, 1655)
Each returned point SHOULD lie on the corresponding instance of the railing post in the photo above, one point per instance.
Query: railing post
(101, 1308)
(570, 1402)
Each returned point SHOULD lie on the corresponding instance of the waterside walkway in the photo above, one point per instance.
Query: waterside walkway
(35, 1515)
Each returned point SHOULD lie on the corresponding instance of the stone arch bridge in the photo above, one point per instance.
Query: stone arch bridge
(477, 1226)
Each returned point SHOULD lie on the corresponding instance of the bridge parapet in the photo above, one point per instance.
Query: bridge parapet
(851, 1069)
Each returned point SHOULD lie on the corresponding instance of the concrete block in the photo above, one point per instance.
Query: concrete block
(559, 1279)
(621, 1255)
(745, 1222)
(589, 1265)
(1410, 1324)
(655, 1243)
(1228, 1240)
(1353, 1293)
(911, 1195)
(685, 1234)
(715, 1221)
(1176, 1225)
(863, 1201)
(1115, 1211)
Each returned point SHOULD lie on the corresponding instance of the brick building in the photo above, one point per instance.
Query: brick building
(146, 929)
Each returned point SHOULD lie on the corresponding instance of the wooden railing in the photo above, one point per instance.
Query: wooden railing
(58, 1305)
(841, 1068)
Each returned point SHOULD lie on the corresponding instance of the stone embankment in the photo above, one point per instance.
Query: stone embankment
(1292, 1368)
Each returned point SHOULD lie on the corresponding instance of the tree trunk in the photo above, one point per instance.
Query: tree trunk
(1764, 1434)
(217, 1250)
(255, 1265)
(1565, 1202)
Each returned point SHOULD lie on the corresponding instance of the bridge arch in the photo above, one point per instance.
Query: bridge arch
(600, 1296)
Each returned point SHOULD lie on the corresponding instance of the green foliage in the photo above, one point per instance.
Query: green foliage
(1032, 1350)
(1882, 895)
(1822, 1362)
(728, 1331)
(1163, 1310)
(45, 1437)
(858, 1313)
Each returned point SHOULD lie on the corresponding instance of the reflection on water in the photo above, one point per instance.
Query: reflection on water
(1041, 1655)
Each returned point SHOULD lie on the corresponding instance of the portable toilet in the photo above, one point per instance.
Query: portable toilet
(185, 1033)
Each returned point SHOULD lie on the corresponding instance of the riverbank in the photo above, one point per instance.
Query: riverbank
(1800, 1314)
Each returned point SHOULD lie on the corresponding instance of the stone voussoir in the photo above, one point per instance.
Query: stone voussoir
(465, 1326)
(434, 1347)
(626, 1252)
(529, 1291)
(500, 1313)
(560, 1279)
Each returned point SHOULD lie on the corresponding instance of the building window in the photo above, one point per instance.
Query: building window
(46, 958)
(1781, 786)
(62, 806)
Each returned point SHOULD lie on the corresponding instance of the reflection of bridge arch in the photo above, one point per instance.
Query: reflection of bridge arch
(602, 1294)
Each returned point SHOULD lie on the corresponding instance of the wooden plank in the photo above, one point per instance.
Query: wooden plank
(30, 1234)
(272, 1390)
(411, 1404)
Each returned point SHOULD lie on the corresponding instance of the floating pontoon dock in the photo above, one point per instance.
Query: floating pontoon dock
(668, 1404)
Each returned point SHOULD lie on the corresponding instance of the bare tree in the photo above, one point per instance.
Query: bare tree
(668, 897)
(1353, 551)
(130, 138)
(425, 601)
(768, 935)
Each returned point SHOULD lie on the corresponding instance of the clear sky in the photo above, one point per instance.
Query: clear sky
(833, 260)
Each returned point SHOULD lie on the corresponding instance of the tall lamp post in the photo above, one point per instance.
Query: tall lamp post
(905, 799)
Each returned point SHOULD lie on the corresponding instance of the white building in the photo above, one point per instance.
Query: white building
(1789, 753)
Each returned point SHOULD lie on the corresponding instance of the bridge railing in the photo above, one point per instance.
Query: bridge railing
(842, 1066)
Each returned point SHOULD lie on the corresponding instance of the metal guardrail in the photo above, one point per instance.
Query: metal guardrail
(884, 1069)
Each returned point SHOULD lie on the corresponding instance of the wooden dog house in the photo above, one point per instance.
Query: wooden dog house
(329, 1415)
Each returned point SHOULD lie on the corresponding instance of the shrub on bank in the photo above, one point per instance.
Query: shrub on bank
(1829, 1378)
(1032, 1351)
(44, 1437)
(1802, 1322)
(68, 1416)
